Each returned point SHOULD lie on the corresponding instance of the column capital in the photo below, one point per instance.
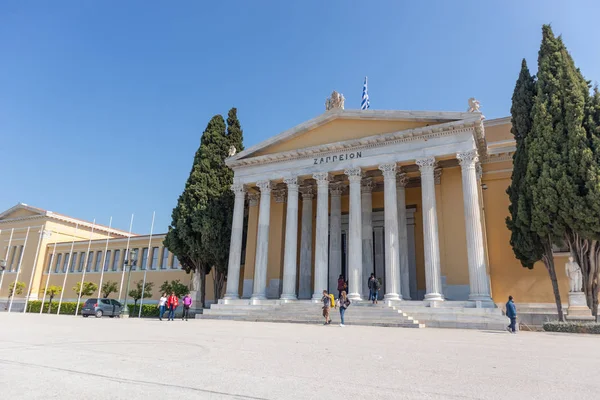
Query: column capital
(468, 159)
(336, 188)
(264, 186)
(426, 164)
(322, 179)
(354, 174)
(402, 179)
(291, 182)
(388, 170)
(238, 189)
(280, 194)
(307, 192)
(437, 176)
(367, 185)
(253, 199)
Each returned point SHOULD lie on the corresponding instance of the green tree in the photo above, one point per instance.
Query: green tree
(14, 289)
(52, 291)
(140, 291)
(184, 237)
(89, 288)
(175, 286)
(108, 287)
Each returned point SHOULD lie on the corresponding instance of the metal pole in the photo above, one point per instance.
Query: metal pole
(48, 277)
(125, 259)
(62, 292)
(33, 269)
(103, 265)
(18, 271)
(87, 256)
(6, 255)
(131, 264)
(147, 264)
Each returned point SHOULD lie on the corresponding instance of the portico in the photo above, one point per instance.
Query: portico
(360, 192)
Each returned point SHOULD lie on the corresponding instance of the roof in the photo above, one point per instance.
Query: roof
(41, 213)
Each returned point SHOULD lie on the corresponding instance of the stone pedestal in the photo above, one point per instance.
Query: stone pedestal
(196, 302)
(578, 309)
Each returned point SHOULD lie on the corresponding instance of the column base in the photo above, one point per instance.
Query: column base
(482, 301)
(257, 297)
(231, 296)
(288, 297)
(392, 296)
(355, 296)
(433, 298)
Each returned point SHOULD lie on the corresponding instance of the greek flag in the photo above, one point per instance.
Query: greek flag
(364, 105)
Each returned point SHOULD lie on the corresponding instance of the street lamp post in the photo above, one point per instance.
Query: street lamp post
(131, 262)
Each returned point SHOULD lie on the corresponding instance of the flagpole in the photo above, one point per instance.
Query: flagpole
(104, 260)
(62, 292)
(87, 256)
(147, 265)
(18, 270)
(6, 256)
(48, 277)
(33, 269)
(125, 258)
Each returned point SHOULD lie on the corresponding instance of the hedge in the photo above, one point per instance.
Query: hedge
(572, 327)
(67, 308)
(151, 311)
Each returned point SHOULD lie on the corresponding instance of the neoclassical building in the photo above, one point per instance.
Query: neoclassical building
(415, 197)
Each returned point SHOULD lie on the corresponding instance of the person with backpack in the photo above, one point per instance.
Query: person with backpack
(187, 303)
(371, 285)
(344, 302)
(326, 300)
(172, 303)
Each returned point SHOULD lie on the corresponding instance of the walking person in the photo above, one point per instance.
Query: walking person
(344, 302)
(161, 306)
(371, 285)
(511, 312)
(187, 303)
(326, 300)
(376, 287)
(341, 286)
(172, 303)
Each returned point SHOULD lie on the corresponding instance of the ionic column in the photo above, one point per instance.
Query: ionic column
(321, 237)
(478, 281)
(291, 240)
(354, 235)
(304, 291)
(433, 277)
(335, 235)
(401, 182)
(262, 238)
(366, 202)
(235, 247)
(392, 259)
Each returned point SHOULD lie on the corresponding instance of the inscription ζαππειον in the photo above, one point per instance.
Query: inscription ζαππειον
(337, 157)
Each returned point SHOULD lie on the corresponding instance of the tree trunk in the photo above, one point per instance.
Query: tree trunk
(218, 283)
(50, 305)
(548, 259)
(586, 253)
(202, 286)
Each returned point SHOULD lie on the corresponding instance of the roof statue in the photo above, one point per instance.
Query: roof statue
(232, 151)
(335, 101)
(473, 105)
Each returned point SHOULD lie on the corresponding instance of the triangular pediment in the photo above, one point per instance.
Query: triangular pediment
(22, 211)
(343, 125)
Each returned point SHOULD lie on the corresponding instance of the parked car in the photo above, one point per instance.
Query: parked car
(100, 307)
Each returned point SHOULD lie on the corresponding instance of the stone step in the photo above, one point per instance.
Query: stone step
(318, 321)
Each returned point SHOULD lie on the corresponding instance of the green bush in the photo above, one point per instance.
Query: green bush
(572, 327)
(67, 308)
(151, 311)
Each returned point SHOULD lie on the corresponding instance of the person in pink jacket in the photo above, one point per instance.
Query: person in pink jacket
(187, 303)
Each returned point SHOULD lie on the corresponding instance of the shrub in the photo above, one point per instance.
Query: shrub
(151, 311)
(67, 308)
(572, 327)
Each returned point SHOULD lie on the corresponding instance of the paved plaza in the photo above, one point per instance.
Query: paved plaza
(63, 357)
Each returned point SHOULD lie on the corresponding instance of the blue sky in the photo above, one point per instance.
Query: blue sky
(102, 103)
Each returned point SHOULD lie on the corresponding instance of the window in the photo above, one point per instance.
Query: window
(117, 260)
(154, 262)
(73, 262)
(18, 260)
(57, 265)
(105, 301)
(175, 262)
(98, 261)
(50, 263)
(81, 261)
(107, 260)
(90, 261)
(137, 257)
(66, 263)
(144, 258)
(165, 258)
(12, 259)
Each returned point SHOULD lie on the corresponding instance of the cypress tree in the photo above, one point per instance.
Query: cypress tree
(185, 236)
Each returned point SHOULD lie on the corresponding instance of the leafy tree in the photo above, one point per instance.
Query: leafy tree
(140, 291)
(175, 286)
(108, 287)
(52, 291)
(14, 289)
(89, 288)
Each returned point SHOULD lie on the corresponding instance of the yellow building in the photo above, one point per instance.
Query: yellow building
(416, 197)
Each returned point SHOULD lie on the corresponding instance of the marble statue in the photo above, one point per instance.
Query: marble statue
(196, 281)
(232, 151)
(575, 277)
(473, 105)
(335, 101)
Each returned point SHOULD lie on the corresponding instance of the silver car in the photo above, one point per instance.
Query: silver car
(100, 307)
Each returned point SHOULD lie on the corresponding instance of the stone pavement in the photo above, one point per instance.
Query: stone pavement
(63, 357)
